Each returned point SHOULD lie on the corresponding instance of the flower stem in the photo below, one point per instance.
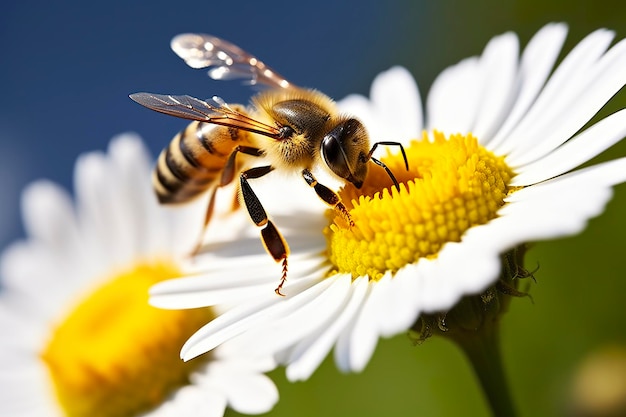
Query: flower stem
(482, 348)
(474, 325)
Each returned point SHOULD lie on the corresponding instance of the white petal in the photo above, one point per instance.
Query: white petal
(498, 67)
(560, 92)
(576, 151)
(466, 267)
(605, 174)
(434, 286)
(397, 103)
(20, 274)
(243, 318)
(29, 406)
(250, 278)
(604, 80)
(356, 345)
(187, 224)
(306, 317)
(49, 216)
(145, 224)
(210, 289)
(394, 111)
(55, 242)
(214, 405)
(97, 213)
(228, 353)
(36, 283)
(454, 97)
(191, 400)
(535, 65)
(558, 207)
(399, 307)
(551, 219)
(227, 326)
(246, 392)
(360, 107)
(309, 353)
(28, 394)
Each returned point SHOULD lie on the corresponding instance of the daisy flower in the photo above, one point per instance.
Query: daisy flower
(80, 338)
(492, 165)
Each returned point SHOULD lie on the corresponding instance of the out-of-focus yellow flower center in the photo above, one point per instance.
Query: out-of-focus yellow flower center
(452, 184)
(116, 356)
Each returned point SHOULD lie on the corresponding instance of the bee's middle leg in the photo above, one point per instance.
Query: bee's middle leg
(273, 241)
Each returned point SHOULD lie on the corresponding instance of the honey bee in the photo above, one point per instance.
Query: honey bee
(295, 129)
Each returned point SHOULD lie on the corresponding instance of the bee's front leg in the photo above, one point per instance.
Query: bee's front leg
(327, 195)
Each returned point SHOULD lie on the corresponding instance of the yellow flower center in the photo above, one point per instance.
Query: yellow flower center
(114, 355)
(452, 184)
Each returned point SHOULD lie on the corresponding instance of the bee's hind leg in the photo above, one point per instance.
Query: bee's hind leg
(207, 219)
(228, 174)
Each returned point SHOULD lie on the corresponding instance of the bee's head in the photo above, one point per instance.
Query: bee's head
(345, 149)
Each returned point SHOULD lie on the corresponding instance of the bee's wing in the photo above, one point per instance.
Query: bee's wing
(214, 111)
(225, 60)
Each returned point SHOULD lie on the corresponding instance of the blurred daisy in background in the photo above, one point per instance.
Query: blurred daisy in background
(79, 336)
(492, 166)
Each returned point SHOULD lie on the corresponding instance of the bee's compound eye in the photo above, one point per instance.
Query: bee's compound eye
(334, 155)
(337, 147)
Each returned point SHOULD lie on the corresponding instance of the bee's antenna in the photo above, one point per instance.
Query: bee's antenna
(382, 164)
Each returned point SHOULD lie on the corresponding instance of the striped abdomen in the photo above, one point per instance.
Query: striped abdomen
(193, 161)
